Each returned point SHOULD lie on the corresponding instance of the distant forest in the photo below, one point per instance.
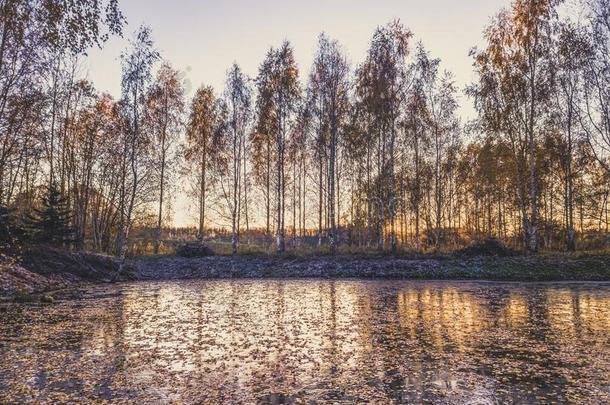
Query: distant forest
(372, 156)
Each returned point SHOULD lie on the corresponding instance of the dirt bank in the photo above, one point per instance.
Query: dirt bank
(35, 270)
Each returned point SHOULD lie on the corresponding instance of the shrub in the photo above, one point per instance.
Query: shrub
(487, 247)
(194, 249)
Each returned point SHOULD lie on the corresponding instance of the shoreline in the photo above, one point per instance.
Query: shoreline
(591, 283)
(486, 268)
(47, 271)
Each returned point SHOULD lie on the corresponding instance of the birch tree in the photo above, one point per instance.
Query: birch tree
(263, 135)
(594, 115)
(514, 90)
(165, 109)
(138, 62)
(284, 96)
(205, 126)
(383, 85)
(328, 89)
(238, 100)
(570, 54)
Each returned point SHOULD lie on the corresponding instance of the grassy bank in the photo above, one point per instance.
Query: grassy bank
(546, 267)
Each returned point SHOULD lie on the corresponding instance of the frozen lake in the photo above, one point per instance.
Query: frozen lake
(311, 341)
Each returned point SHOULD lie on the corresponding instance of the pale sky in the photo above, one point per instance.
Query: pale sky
(203, 38)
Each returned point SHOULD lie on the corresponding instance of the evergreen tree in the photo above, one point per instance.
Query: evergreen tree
(12, 230)
(7, 237)
(50, 224)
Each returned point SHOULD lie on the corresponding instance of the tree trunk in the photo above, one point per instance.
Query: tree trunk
(392, 192)
(268, 188)
(161, 188)
(416, 202)
(320, 196)
(281, 244)
(331, 186)
(202, 190)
